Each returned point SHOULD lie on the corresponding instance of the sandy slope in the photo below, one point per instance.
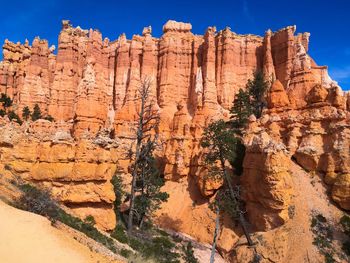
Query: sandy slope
(26, 237)
(310, 197)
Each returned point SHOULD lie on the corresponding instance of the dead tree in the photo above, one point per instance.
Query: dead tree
(147, 123)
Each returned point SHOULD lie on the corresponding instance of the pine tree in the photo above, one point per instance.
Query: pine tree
(36, 115)
(26, 113)
(221, 147)
(148, 185)
(13, 116)
(257, 90)
(145, 181)
(120, 194)
(5, 101)
(241, 110)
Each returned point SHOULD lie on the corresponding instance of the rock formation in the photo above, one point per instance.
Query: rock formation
(89, 88)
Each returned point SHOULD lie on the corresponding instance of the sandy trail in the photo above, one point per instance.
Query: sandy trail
(27, 237)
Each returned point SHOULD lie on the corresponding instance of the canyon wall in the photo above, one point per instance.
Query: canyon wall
(89, 88)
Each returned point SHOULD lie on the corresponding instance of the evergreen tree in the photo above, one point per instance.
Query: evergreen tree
(257, 89)
(145, 195)
(5, 101)
(221, 147)
(26, 113)
(13, 116)
(250, 101)
(120, 194)
(148, 185)
(241, 110)
(36, 115)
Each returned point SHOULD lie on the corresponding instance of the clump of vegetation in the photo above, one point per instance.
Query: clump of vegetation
(188, 253)
(39, 201)
(26, 113)
(149, 245)
(291, 211)
(150, 242)
(90, 220)
(13, 116)
(119, 234)
(49, 118)
(345, 223)
(323, 236)
(36, 114)
(161, 249)
(249, 101)
(126, 252)
(6, 103)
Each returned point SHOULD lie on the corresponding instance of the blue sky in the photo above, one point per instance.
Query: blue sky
(327, 21)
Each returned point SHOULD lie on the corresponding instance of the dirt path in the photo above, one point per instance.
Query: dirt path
(26, 237)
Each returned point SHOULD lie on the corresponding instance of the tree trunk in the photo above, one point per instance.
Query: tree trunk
(216, 232)
(131, 206)
(139, 136)
(241, 218)
(242, 221)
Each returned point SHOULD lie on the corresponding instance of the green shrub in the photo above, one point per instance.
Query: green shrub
(90, 220)
(49, 118)
(40, 202)
(346, 247)
(36, 115)
(2, 113)
(162, 232)
(87, 229)
(118, 186)
(13, 116)
(125, 252)
(37, 201)
(188, 253)
(119, 234)
(135, 244)
(6, 101)
(162, 250)
(345, 223)
(323, 236)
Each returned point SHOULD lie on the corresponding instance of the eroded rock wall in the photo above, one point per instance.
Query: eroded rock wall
(316, 137)
(89, 87)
